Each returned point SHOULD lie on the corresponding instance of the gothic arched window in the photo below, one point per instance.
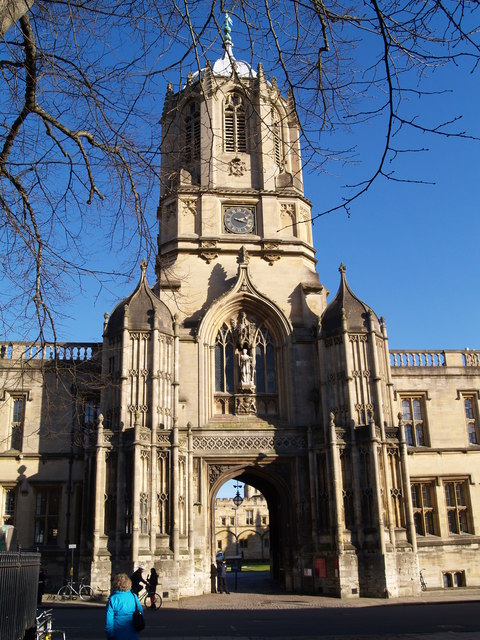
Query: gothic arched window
(264, 362)
(245, 369)
(224, 369)
(192, 132)
(235, 123)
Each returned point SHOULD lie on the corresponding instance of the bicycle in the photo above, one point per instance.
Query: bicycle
(43, 627)
(151, 600)
(423, 584)
(68, 591)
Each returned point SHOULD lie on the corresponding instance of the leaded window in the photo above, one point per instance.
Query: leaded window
(424, 508)
(18, 416)
(224, 363)
(47, 508)
(413, 412)
(9, 502)
(471, 418)
(265, 362)
(90, 413)
(228, 357)
(458, 513)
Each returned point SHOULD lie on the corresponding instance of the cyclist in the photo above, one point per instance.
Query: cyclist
(152, 582)
(137, 580)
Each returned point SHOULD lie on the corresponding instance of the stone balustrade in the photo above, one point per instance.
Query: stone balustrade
(414, 358)
(65, 351)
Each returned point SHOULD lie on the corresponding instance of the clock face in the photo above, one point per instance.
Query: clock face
(239, 219)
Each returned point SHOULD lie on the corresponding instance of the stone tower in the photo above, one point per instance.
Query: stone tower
(365, 452)
(233, 366)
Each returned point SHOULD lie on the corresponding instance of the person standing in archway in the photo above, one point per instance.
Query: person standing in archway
(222, 577)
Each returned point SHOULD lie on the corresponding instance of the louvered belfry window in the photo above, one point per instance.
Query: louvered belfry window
(235, 124)
(277, 139)
(192, 132)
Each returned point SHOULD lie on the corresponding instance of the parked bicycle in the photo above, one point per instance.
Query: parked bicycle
(423, 584)
(43, 629)
(69, 592)
(149, 599)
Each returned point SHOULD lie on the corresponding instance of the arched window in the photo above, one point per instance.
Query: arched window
(192, 132)
(264, 362)
(224, 370)
(235, 123)
(277, 139)
(252, 389)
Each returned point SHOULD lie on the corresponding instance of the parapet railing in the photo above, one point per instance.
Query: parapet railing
(66, 351)
(465, 358)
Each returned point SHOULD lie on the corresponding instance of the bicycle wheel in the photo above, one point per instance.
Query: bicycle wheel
(153, 601)
(86, 592)
(64, 593)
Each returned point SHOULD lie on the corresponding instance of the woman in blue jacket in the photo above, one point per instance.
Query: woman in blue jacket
(120, 608)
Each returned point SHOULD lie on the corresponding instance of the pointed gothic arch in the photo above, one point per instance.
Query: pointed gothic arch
(244, 320)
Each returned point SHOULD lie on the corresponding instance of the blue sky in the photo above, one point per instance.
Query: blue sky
(410, 249)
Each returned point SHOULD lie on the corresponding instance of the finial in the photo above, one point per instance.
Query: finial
(342, 268)
(143, 267)
(227, 37)
(189, 78)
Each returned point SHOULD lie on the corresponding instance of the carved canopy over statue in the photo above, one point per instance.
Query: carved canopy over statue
(243, 331)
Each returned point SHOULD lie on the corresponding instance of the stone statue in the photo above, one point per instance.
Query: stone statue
(246, 369)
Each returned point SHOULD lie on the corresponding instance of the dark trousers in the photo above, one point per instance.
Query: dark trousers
(222, 585)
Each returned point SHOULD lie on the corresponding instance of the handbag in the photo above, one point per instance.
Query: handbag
(137, 617)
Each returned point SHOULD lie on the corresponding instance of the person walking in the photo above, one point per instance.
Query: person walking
(222, 577)
(121, 606)
(152, 583)
(137, 580)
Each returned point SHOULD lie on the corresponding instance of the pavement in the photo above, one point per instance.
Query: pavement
(258, 592)
(263, 612)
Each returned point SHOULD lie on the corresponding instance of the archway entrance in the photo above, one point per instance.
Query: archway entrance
(271, 543)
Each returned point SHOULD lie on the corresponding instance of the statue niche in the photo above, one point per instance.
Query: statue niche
(245, 381)
(243, 331)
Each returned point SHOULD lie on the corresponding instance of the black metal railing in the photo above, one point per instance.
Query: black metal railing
(19, 572)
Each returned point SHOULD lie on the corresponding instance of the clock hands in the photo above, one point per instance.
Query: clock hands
(240, 219)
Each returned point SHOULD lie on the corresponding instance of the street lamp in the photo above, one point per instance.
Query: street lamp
(237, 501)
